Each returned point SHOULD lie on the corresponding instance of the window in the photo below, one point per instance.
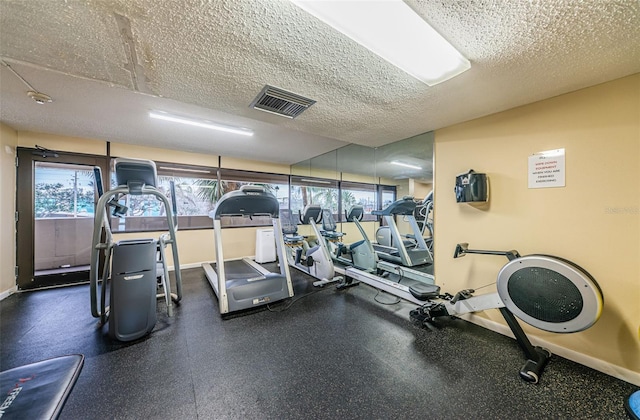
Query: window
(307, 190)
(63, 190)
(63, 202)
(352, 193)
(195, 189)
(387, 195)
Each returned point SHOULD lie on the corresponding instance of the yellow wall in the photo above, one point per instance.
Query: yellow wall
(315, 172)
(62, 143)
(173, 156)
(594, 221)
(352, 234)
(8, 143)
(419, 190)
(252, 165)
(367, 179)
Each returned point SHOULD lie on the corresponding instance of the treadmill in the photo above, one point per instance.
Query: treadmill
(242, 283)
(391, 246)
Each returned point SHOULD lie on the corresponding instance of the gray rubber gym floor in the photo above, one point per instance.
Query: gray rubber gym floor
(326, 354)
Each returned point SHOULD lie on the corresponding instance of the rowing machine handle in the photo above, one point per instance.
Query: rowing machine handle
(462, 249)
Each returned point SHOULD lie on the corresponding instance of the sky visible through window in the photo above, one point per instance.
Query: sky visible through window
(63, 192)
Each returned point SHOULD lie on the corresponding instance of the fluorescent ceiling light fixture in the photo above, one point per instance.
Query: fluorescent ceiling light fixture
(161, 115)
(392, 30)
(171, 168)
(406, 165)
(315, 181)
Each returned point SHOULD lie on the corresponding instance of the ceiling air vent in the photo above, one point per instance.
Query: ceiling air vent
(280, 102)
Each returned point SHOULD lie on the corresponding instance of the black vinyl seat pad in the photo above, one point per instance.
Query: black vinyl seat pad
(39, 390)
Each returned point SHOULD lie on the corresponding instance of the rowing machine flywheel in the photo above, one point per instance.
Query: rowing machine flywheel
(550, 293)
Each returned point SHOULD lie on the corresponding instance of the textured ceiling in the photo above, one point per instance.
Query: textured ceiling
(107, 63)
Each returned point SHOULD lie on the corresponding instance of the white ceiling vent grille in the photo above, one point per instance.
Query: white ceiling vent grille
(280, 102)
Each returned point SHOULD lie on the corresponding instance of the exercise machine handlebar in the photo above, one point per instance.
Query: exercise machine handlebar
(463, 248)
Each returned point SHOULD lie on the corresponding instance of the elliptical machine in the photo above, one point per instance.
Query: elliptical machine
(313, 260)
(133, 269)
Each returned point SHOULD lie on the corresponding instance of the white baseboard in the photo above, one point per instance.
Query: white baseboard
(8, 293)
(185, 266)
(597, 364)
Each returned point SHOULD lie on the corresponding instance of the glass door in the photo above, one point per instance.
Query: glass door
(56, 201)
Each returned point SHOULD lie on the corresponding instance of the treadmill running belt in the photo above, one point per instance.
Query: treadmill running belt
(238, 269)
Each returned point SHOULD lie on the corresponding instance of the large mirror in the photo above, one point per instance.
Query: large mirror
(323, 166)
(357, 168)
(406, 165)
(357, 163)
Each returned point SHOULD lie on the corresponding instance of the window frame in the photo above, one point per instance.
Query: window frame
(185, 222)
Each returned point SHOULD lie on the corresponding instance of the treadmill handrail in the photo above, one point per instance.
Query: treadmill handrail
(253, 201)
(404, 206)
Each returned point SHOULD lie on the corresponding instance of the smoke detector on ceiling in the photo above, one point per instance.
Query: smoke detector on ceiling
(39, 97)
(281, 102)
